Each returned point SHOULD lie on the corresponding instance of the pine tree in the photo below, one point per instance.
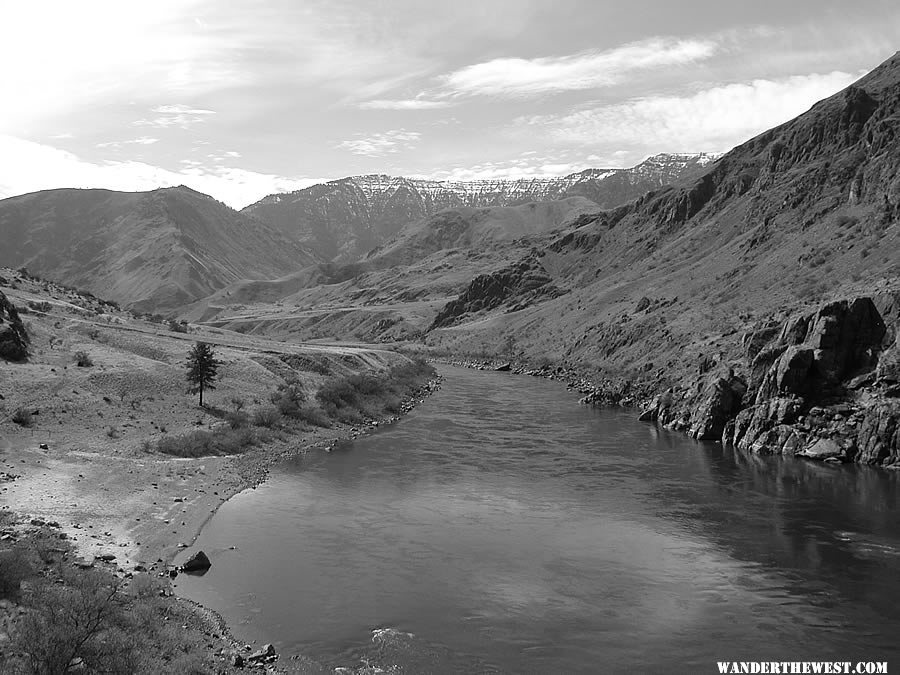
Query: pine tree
(202, 368)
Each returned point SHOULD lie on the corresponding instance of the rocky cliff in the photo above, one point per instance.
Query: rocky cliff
(823, 385)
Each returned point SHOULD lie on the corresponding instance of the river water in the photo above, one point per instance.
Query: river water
(503, 528)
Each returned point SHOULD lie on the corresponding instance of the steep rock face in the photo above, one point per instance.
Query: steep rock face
(820, 351)
(346, 218)
(812, 390)
(820, 396)
(13, 336)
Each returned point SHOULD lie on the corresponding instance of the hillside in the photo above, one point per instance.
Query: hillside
(343, 219)
(682, 290)
(395, 291)
(152, 251)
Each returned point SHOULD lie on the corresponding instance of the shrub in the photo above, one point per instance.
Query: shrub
(237, 419)
(220, 441)
(266, 417)
(81, 618)
(177, 327)
(83, 359)
(349, 399)
(314, 415)
(15, 567)
(23, 417)
(112, 432)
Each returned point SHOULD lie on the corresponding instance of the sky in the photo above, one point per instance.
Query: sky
(251, 97)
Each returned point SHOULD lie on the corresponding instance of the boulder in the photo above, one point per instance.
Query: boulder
(751, 427)
(878, 435)
(824, 448)
(720, 401)
(790, 374)
(199, 562)
(267, 652)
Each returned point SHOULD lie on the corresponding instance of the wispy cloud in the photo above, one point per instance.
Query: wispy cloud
(518, 77)
(586, 70)
(714, 119)
(181, 116)
(143, 140)
(522, 167)
(405, 104)
(379, 145)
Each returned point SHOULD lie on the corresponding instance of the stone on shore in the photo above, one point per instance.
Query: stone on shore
(199, 562)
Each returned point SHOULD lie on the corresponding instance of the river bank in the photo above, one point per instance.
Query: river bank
(822, 385)
(503, 529)
(128, 511)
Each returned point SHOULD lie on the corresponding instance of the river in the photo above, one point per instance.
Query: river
(503, 528)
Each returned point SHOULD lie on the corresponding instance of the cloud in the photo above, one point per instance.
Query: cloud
(516, 77)
(714, 119)
(405, 104)
(30, 166)
(383, 144)
(523, 167)
(181, 116)
(143, 140)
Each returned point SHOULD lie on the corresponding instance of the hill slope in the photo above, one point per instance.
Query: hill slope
(343, 219)
(800, 224)
(152, 250)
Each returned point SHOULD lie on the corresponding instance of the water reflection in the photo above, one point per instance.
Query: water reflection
(507, 529)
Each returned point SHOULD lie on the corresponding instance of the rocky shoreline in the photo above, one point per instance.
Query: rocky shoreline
(822, 385)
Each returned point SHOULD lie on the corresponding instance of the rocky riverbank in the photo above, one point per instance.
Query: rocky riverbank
(822, 384)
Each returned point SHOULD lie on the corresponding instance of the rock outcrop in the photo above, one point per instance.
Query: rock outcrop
(13, 336)
(517, 286)
(820, 385)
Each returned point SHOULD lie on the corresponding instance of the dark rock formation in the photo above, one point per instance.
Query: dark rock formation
(199, 562)
(517, 286)
(720, 401)
(13, 337)
(820, 386)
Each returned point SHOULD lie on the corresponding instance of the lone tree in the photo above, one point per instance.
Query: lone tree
(202, 368)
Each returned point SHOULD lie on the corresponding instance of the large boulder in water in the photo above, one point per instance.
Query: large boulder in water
(199, 562)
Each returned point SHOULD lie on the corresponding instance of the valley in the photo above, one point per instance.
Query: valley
(749, 299)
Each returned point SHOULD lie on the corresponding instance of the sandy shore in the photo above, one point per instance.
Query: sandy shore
(140, 509)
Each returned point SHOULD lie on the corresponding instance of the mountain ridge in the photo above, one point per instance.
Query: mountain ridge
(344, 219)
(152, 251)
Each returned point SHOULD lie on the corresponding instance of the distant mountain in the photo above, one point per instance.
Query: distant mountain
(343, 219)
(153, 251)
(478, 229)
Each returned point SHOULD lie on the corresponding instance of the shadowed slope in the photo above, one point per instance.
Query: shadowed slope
(151, 250)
